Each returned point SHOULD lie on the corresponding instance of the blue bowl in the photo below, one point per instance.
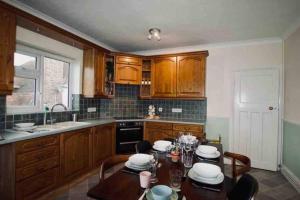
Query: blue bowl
(161, 192)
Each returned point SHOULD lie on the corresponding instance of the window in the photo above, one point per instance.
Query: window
(40, 78)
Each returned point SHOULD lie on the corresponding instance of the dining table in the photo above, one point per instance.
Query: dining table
(126, 186)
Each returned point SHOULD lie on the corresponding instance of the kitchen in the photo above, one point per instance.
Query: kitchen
(113, 99)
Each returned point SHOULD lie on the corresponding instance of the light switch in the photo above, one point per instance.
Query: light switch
(176, 110)
(93, 109)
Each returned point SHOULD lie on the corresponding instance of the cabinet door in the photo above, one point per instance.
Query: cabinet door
(7, 49)
(153, 135)
(129, 60)
(75, 153)
(93, 73)
(191, 76)
(128, 74)
(103, 143)
(164, 77)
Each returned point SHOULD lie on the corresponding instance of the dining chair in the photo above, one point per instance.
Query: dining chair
(240, 164)
(110, 162)
(245, 189)
(143, 146)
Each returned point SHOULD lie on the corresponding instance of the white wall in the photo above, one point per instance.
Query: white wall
(44, 43)
(292, 80)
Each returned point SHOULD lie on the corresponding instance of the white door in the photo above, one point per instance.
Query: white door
(256, 116)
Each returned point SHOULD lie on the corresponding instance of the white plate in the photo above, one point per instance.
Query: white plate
(216, 155)
(207, 149)
(24, 125)
(140, 159)
(174, 195)
(206, 170)
(25, 128)
(162, 143)
(209, 181)
(130, 166)
(159, 148)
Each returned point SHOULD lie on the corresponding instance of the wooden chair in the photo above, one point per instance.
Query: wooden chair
(110, 162)
(143, 147)
(245, 189)
(243, 161)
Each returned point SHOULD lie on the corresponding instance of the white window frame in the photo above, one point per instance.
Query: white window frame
(39, 76)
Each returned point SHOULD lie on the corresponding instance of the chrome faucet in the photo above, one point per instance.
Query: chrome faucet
(58, 104)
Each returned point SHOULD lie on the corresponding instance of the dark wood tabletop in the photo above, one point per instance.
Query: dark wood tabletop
(126, 186)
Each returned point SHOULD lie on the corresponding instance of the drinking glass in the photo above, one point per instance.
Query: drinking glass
(153, 168)
(175, 178)
(188, 156)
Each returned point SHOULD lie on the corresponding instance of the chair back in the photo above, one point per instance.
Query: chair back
(110, 162)
(245, 189)
(243, 161)
(143, 147)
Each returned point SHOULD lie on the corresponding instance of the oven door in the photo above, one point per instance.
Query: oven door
(127, 138)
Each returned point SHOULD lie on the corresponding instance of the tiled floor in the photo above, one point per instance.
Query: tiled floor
(272, 186)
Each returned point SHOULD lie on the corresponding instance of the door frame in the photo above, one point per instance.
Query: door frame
(280, 111)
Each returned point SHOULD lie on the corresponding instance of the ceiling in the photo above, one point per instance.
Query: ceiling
(124, 24)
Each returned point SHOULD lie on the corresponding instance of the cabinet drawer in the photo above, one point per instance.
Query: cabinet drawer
(159, 125)
(35, 144)
(186, 127)
(129, 60)
(37, 168)
(34, 187)
(36, 156)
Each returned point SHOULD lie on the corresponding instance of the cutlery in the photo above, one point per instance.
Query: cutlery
(129, 172)
(144, 193)
(208, 160)
(206, 188)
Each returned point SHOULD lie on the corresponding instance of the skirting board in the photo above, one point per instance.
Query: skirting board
(291, 177)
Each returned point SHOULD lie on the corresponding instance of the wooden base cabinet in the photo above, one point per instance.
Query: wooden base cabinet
(37, 167)
(75, 151)
(103, 143)
(160, 131)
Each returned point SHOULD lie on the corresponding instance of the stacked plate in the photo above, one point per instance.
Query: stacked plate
(206, 173)
(24, 127)
(139, 162)
(161, 145)
(207, 151)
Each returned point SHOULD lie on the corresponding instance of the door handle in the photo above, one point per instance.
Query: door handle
(272, 108)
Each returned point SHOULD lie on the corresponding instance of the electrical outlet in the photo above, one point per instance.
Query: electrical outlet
(93, 109)
(176, 110)
(160, 109)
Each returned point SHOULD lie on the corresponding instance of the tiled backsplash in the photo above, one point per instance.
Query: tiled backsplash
(2, 112)
(125, 104)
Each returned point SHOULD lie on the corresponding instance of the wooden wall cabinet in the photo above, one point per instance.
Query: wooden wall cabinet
(98, 74)
(128, 70)
(191, 76)
(164, 77)
(7, 49)
(75, 153)
(103, 143)
(179, 76)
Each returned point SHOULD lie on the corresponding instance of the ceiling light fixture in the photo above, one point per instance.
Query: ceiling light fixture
(154, 33)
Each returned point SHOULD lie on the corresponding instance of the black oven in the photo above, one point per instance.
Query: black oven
(128, 134)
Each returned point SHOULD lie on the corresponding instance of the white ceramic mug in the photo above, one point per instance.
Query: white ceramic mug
(145, 177)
